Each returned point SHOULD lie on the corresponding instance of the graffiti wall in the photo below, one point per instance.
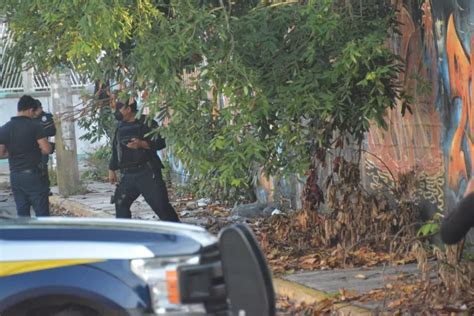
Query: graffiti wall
(435, 42)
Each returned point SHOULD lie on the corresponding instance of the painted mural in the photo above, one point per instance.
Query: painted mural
(437, 139)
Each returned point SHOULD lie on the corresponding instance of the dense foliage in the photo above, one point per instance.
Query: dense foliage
(244, 84)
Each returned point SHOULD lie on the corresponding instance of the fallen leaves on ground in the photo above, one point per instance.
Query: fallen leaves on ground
(294, 244)
(218, 211)
(289, 248)
(417, 296)
(398, 299)
(61, 211)
(286, 307)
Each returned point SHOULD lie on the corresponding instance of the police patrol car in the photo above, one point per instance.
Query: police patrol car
(71, 266)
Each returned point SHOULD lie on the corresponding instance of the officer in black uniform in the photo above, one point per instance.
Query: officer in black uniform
(23, 141)
(134, 152)
(46, 120)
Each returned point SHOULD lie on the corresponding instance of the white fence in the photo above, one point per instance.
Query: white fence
(12, 76)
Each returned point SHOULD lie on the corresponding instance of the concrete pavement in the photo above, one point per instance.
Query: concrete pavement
(7, 204)
(356, 280)
(95, 202)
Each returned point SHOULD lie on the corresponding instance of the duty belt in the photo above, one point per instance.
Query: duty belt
(137, 168)
(35, 170)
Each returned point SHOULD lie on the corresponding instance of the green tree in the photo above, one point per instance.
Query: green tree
(293, 73)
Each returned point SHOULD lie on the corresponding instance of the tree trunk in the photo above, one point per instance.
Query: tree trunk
(66, 149)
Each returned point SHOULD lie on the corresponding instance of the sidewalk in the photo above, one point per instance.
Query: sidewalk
(96, 203)
(7, 204)
(308, 287)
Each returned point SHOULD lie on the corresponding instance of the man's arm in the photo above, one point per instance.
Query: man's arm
(155, 141)
(113, 162)
(49, 127)
(152, 142)
(41, 139)
(45, 146)
(3, 152)
(3, 141)
(457, 223)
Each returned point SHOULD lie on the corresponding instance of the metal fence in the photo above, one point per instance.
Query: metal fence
(11, 76)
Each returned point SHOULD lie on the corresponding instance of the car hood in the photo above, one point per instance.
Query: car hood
(85, 238)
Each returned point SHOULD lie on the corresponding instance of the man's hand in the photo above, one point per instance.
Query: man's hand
(53, 147)
(136, 143)
(3, 151)
(44, 146)
(112, 177)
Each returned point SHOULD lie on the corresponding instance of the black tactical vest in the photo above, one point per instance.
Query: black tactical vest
(125, 133)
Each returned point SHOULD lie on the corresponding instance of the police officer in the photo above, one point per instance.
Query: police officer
(46, 120)
(134, 152)
(23, 141)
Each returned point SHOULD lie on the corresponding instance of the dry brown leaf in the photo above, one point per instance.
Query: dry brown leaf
(409, 288)
(309, 261)
(346, 295)
(323, 306)
(395, 303)
(438, 306)
(395, 277)
(360, 276)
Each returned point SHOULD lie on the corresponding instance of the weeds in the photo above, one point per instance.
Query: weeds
(97, 163)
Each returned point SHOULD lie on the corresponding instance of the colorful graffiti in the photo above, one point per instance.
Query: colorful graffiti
(460, 75)
(437, 45)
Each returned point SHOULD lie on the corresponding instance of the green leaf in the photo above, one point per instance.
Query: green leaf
(263, 86)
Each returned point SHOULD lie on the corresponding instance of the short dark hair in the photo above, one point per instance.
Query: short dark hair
(26, 102)
(132, 106)
(38, 103)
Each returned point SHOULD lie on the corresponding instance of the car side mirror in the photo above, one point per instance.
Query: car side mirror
(247, 277)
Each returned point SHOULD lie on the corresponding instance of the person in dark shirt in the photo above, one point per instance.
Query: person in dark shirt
(457, 224)
(134, 153)
(46, 120)
(23, 141)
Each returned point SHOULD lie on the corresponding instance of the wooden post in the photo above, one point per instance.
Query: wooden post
(66, 149)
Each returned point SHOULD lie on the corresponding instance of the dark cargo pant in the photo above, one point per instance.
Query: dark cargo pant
(148, 183)
(30, 188)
